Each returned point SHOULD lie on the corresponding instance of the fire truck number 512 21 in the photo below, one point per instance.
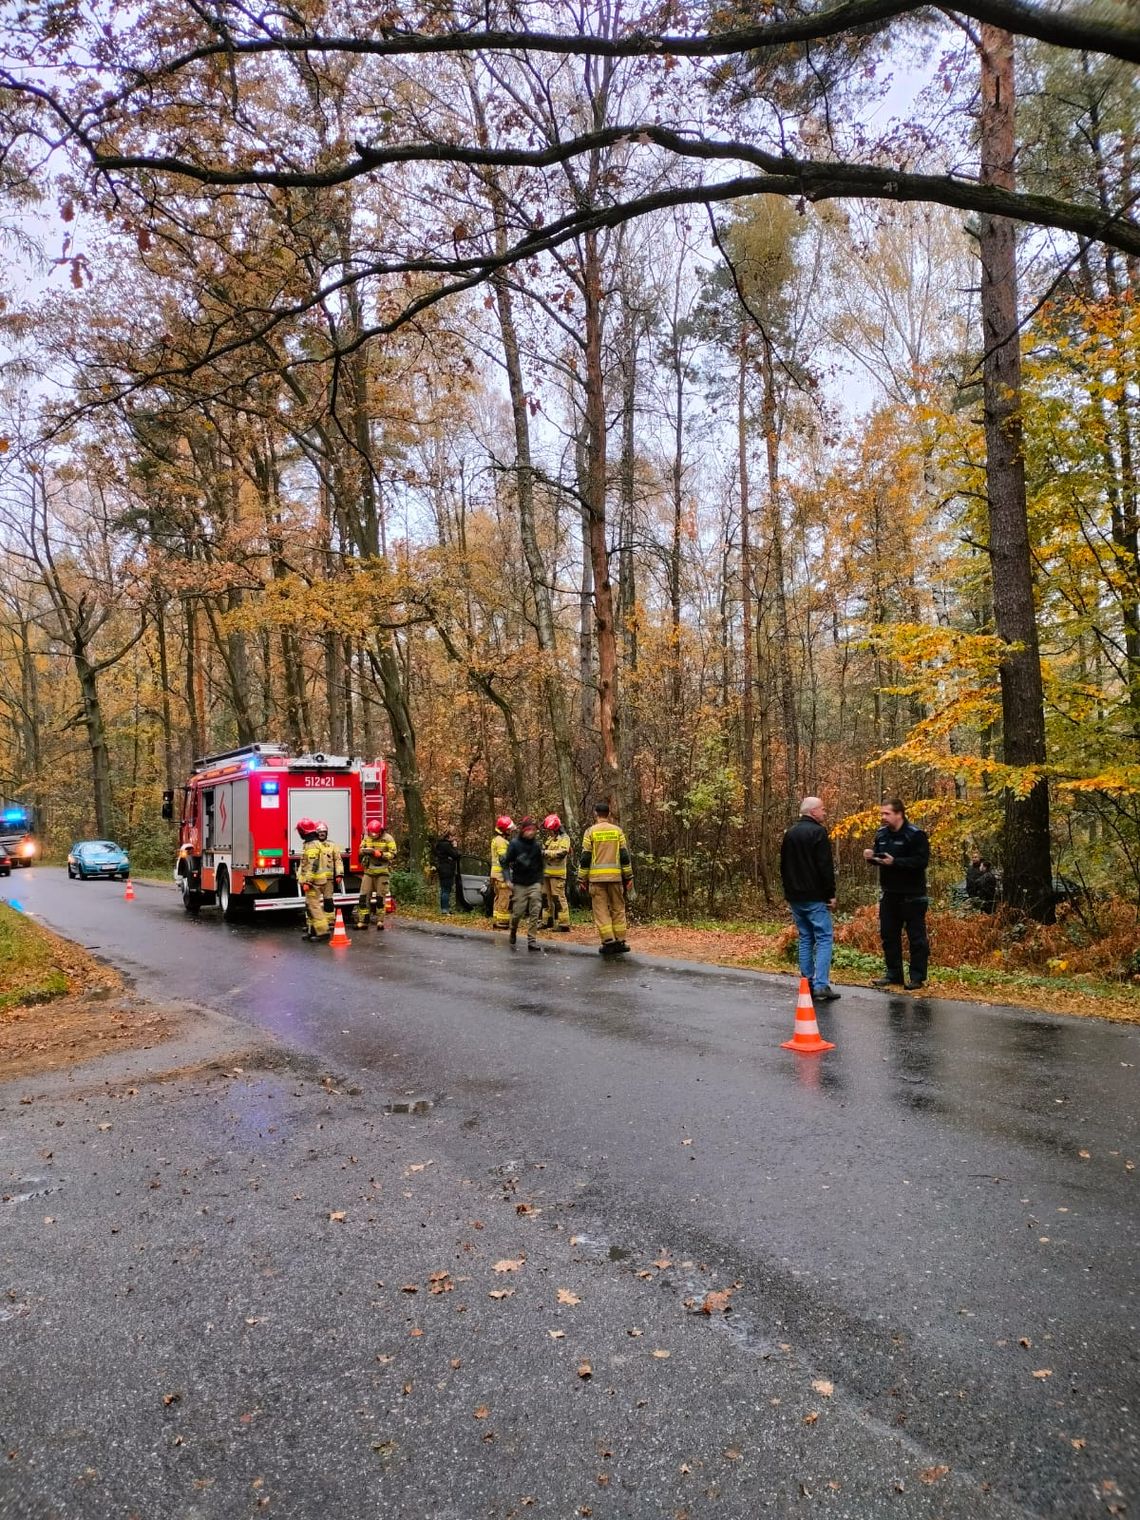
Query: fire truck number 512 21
(320, 780)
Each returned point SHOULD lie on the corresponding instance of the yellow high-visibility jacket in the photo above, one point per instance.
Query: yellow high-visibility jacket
(377, 854)
(499, 847)
(605, 855)
(554, 853)
(316, 864)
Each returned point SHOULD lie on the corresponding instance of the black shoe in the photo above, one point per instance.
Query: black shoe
(888, 981)
(914, 986)
(533, 944)
(607, 947)
(825, 995)
(621, 948)
(514, 934)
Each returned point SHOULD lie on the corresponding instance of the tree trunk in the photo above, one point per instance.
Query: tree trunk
(96, 741)
(748, 710)
(788, 710)
(596, 512)
(536, 565)
(1028, 869)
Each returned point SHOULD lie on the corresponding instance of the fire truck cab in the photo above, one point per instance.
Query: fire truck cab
(238, 844)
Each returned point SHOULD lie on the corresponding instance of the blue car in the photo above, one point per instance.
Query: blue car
(97, 857)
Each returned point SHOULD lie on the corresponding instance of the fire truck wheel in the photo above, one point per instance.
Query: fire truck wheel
(191, 900)
(232, 904)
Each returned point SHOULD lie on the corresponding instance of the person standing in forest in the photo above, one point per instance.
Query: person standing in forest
(523, 868)
(555, 852)
(500, 885)
(445, 858)
(902, 853)
(807, 870)
(377, 853)
(607, 871)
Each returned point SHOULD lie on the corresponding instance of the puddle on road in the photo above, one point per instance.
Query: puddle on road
(30, 1187)
(419, 1105)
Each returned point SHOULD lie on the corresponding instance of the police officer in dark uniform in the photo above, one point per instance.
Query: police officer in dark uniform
(902, 852)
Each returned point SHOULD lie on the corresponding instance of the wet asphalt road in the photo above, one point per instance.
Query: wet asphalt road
(906, 1210)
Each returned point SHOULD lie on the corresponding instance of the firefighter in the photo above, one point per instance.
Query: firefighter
(501, 887)
(314, 877)
(606, 869)
(377, 855)
(555, 849)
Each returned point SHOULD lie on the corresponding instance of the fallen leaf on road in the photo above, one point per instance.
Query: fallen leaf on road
(104, 1126)
(824, 1388)
(566, 1297)
(501, 1293)
(1078, 1443)
(662, 1355)
(416, 1333)
(557, 1335)
(718, 1303)
(932, 1474)
(686, 1142)
(170, 1398)
(455, 1364)
(1043, 1372)
(1085, 1155)
(635, 1333)
(481, 1411)
(384, 1360)
(410, 1288)
(585, 1370)
(338, 1216)
(662, 1262)
(507, 1265)
(527, 1210)
(1025, 1342)
(732, 1454)
(810, 1418)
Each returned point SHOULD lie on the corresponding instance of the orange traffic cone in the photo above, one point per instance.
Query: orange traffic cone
(129, 894)
(806, 1038)
(339, 937)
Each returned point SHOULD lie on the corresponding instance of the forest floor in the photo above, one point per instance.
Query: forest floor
(60, 1005)
(769, 945)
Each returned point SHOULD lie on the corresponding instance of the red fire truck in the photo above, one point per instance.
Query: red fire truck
(238, 844)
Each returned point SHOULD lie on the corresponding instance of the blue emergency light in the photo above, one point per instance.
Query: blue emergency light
(270, 788)
(14, 815)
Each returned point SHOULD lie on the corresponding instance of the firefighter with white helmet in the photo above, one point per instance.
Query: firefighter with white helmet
(315, 878)
(377, 856)
(555, 851)
(500, 842)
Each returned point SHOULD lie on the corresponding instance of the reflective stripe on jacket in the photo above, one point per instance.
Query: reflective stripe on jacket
(554, 852)
(499, 847)
(377, 854)
(605, 854)
(316, 864)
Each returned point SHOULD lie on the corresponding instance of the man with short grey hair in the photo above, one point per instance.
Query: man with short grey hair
(807, 870)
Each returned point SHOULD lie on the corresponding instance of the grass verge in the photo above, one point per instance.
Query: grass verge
(31, 969)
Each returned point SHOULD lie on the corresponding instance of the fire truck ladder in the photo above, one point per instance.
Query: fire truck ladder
(246, 751)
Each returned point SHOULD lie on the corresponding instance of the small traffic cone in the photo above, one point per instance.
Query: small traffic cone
(389, 904)
(806, 1039)
(129, 894)
(339, 937)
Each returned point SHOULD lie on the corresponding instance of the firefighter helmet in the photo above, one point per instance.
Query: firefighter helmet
(306, 826)
(504, 823)
(374, 826)
(551, 823)
(322, 827)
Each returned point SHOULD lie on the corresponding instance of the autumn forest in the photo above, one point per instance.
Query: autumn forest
(698, 408)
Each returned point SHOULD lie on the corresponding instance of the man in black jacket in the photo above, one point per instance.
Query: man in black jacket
(902, 852)
(807, 870)
(445, 857)
(524, 866)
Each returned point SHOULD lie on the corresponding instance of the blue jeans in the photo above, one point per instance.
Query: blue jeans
(445, 897)
(813, 921)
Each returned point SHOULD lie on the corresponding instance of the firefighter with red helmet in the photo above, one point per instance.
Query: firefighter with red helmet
(315, 876)
(555, 851)
(606, 869)
(377, 856)
(500, 840)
